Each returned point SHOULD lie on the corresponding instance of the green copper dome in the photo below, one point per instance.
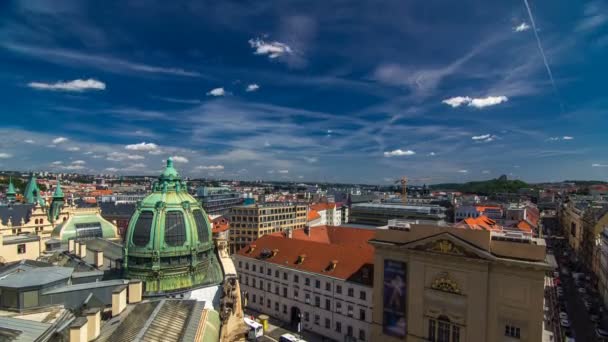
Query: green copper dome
(168, 242)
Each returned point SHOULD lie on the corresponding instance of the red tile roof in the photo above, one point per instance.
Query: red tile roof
(313, 215)
(346, 247)
(479, 223)
(322, 206)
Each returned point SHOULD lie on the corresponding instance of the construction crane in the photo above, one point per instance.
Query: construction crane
(403, 182)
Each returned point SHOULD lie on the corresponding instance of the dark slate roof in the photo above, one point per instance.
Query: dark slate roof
(21, 265)
(120, 209)
(111, 250)
(14, 329)
(16, 212)
(36, 276)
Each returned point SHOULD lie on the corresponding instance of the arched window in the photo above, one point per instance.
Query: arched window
(442, 330)
(201, 226)
(175, 228)
(141, 232)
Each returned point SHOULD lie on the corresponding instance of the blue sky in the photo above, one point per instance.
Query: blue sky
(344, 91)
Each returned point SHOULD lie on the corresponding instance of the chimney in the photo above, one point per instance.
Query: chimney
(289, 233)
(76, 248)
(119, 300)
(79, 330)
(83, 250)
(135, 290)
(71, 246)
(94, 323)
(97, 257)
(307, 229)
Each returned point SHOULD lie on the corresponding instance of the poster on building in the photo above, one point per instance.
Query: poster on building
(395, 296)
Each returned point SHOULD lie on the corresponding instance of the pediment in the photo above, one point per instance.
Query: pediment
(448, 244)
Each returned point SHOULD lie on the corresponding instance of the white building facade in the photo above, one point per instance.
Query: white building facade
(332, 307)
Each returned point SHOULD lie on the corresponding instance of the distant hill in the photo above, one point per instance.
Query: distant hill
(492, 186)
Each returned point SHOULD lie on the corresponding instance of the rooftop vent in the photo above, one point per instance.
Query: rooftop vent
(301, 258)
(251, 249)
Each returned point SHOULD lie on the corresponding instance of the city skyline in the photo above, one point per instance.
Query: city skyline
(331, 92)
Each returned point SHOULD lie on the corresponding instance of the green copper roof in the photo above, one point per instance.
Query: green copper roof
(168, 242)
(32, 192)
(84, 221)
(10, 192)
(58, 192)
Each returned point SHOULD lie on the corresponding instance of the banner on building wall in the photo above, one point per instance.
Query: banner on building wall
(395, 296)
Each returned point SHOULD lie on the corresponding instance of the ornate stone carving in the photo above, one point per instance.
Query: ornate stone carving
(444, 283)
(447, 247)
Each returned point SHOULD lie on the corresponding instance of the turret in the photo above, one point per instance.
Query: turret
(57, 203)
(11, 194)
(32, 192)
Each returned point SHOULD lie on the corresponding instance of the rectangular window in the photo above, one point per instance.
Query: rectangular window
(284, 308)
(268, 303)
(512, 331)
(21, 248)
(327, 286)
(338, 327)
(296, 279)
(261, 285)
(317, 319)
(339, 289)
(327, 304)
(349, 331)
(253, 268)
(262, 269)
(362, 314)
(351, 292)
(317, 284)
(317, 301)
(261, 300)
(432, 328)
(306, 316)
(276, 306)
(327, 323)
(295, 293)
(285, 292)
(338, 306)
(268, 286)
(455, 333)
(247, 266)
(307, 281)
(285, 276)
(276, 289)
(269, 272)
(362, 334)
(276, 273)
(307, 299)
(362, 295)
(240, 264)
(443, 332)
(254, 299)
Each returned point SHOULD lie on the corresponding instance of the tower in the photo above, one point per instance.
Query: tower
(11, 194)
(32, 192)
(57, 203)
(404, 190)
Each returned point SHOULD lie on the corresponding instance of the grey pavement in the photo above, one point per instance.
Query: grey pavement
(276, 328)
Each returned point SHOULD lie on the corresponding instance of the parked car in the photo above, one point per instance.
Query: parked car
(564, 323)
(581, 290)
(563, 315)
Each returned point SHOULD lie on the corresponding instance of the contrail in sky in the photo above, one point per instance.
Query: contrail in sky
(542, 51)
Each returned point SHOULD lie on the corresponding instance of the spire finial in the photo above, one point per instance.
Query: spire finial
(170, 162)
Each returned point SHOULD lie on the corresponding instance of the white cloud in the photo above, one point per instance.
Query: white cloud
(88, 152)
(136, 166)
(480, 102)
(283, 171)
(57, 162)
(463, 171)
(210, 167)
(79, 162)
(399, 152)
(73, 149)
(120, 156)
(484, 138)
(29, 141)
(180, 159)
(59, 140)
(111, 169)
(521, 27)
(4, 155)
(599, 165)
(432, 154)
(553, 139)
(75, 85)
(73, 167)
(488, 101)
(485, 172)
(216, 92)
(142, 146)
(252, 87)
(311, 159)
(481, 137)
(457, 101)
(272, 49)
(566, 137)
(156, 152)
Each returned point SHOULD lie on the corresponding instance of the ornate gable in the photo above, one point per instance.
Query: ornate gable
(446, 243)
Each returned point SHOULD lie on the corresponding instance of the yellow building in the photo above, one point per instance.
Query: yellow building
(435, 283)
(250, 222)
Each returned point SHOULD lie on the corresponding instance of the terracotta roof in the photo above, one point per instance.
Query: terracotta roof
(322, 206)
(479, 223)
(346, 248)
(482, 208)
(220, 224)
(532, 215)
(313, 215)
(523, 225)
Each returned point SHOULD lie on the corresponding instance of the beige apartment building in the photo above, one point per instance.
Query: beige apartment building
(250, 222)
(435, 283)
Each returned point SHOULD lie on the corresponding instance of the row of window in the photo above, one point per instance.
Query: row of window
(296, 279)
(316, 321)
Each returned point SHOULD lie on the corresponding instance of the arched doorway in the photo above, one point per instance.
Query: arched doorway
(296, 316)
